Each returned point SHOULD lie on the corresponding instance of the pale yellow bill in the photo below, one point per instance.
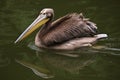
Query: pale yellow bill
(39, 21)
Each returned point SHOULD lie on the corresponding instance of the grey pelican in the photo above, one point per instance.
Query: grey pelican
(68, 32)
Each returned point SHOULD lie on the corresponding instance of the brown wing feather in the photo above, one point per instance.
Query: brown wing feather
(66, 28)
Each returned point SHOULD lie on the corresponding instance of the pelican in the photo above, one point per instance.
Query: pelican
(68, 32)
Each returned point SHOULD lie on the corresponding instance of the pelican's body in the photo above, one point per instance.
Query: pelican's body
(69, 32)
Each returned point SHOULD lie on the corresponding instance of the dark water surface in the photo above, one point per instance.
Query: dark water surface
(22, 62)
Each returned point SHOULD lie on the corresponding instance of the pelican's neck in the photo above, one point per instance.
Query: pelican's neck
(44, 29)
(42, 32)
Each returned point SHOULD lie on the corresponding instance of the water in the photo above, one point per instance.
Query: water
(23, 62)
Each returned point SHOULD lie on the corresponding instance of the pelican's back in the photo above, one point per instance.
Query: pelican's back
(68, 27)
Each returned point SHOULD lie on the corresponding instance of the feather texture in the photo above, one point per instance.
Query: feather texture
(66, 28)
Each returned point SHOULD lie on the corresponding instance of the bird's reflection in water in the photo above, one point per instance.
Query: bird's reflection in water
(35, 63)
(46, 63)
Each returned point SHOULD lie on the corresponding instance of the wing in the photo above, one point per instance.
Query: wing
(68, 27)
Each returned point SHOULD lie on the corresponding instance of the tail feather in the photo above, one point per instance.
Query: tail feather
(100, 36)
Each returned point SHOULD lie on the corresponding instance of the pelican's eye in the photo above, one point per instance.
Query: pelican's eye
(44, 13)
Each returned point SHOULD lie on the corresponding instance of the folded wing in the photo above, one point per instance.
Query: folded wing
(68, 27)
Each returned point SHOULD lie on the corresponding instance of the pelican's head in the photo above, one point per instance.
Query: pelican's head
(44, 16)
(48, 12)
